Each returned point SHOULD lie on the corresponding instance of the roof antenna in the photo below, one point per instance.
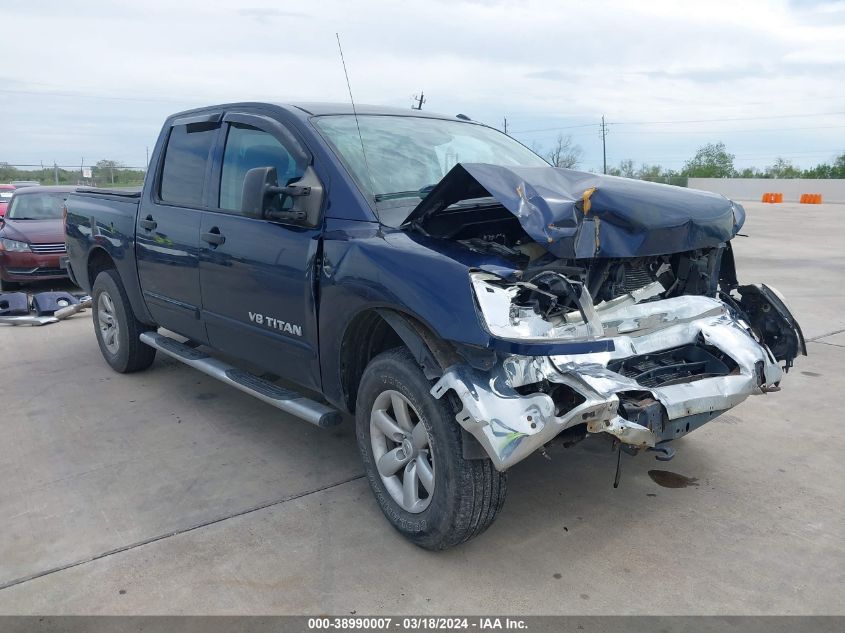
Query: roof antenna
(357, 125)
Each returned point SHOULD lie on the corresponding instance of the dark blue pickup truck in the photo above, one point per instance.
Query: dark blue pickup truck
(467, 302)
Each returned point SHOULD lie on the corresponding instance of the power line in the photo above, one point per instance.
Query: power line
(554, 129)
(603, 143)
(7, 163)
(687, 121)
(754, 118)
(756, 156)
(740, 131)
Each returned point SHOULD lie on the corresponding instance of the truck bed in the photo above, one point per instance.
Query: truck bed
(103, 219)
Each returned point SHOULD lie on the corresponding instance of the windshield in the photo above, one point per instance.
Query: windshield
(39, 206)
(407, 156)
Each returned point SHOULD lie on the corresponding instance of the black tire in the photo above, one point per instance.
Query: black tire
(129, 354)
(468, 494)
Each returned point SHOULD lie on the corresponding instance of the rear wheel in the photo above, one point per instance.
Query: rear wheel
(116, 327)
(412, 450)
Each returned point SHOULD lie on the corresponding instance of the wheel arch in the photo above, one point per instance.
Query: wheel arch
(375, 330)
(100, 259)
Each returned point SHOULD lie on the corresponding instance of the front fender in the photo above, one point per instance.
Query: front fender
(364, 268)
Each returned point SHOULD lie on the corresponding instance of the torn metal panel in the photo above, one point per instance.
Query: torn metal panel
(769, 315)
(67, 311)
(522, 310)
(706, 361)
(510, 426)
(27, 320)
(82, 304)
(619, 218)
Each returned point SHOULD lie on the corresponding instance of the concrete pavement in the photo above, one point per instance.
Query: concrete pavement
(166, 492)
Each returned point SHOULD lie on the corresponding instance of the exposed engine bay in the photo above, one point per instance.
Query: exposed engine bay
(673, 339)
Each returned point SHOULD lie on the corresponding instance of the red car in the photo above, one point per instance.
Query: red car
(6, 192)
(32, 238)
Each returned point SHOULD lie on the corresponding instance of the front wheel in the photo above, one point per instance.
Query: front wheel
(412, 450)
(116, 327)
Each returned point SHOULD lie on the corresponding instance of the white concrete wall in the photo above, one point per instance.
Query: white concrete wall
(832, 190)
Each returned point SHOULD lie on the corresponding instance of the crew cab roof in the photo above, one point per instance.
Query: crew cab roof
(318, 109)
(307, 109)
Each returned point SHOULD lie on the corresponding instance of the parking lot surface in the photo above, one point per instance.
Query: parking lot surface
(166, 492)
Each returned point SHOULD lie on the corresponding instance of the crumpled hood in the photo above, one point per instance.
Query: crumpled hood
(579, 215)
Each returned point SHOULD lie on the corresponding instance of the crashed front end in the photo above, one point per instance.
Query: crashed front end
(634, 341)
(671, 365)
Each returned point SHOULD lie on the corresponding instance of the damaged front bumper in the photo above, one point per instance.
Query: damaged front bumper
(676, 364)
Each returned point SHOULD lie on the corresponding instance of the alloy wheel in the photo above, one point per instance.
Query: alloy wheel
(402, 450)
(107, 322)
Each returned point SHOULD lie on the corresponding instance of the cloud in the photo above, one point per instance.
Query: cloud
(100, 76)
(264, 13)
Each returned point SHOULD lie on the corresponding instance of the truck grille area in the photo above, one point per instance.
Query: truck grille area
(678, 365)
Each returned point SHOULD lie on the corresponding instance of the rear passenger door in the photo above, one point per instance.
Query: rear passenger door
(167, 234)
(257, 276)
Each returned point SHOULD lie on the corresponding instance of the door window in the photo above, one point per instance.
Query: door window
(185, 160)
(248, 147)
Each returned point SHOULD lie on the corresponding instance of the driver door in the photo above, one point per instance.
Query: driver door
(258, 276)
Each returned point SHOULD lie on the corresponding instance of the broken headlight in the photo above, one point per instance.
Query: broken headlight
(549, 307)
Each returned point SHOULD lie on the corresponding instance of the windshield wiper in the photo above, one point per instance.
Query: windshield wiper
(380, 197)
(418, 193)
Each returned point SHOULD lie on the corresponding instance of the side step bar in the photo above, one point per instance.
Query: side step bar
(288, 401)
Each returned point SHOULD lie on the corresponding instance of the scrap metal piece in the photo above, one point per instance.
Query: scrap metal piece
(508, 425)
(63, 313)
(27, 320)
(510, 422)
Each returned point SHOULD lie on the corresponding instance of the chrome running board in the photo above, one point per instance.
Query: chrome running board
(288, 401)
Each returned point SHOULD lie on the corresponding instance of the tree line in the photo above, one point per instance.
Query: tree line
(105, 173)
(710, 161)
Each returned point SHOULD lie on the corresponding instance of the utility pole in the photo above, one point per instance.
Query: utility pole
(603, 143)
(419, 101)
(56, 172)
(505, 122)
(147, 164)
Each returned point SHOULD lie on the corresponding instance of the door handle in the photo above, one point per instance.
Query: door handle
(213, 237)
(148, 224)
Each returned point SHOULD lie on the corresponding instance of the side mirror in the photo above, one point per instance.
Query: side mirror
(262, 197)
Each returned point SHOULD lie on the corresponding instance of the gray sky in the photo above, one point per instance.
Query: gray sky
(95, 79)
